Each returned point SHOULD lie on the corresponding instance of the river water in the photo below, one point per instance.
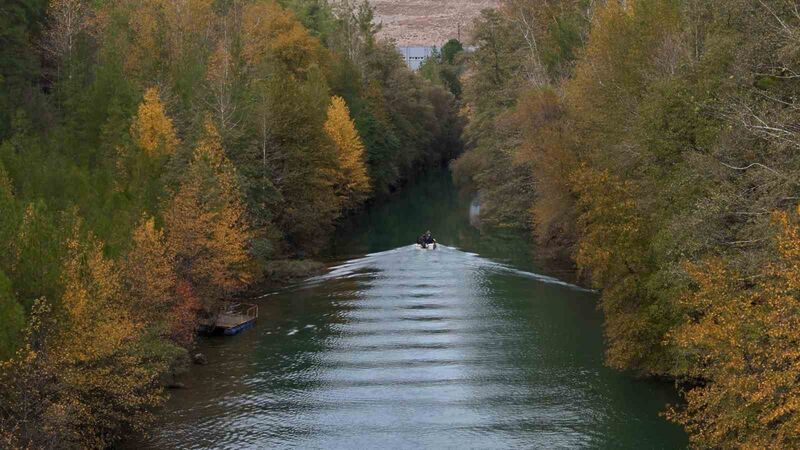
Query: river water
(468, 346)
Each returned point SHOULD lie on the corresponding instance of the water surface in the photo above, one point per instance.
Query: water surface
(468, 346)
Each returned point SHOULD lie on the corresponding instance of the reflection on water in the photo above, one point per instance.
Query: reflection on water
(407, 348)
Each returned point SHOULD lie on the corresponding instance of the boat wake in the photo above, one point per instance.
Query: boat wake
(404, 258)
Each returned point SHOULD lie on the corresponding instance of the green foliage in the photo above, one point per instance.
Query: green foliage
(443, 70)
(451, 50)
(316, 15)
(659, 142)
(12, 316)
(19, 27)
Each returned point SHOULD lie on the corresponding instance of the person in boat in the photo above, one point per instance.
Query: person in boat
(426, 239)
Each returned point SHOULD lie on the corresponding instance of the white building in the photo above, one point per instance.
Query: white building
(415, 56)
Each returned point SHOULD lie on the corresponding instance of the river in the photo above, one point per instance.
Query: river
(467, 346)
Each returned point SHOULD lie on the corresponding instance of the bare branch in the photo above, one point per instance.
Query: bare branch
(750, 167)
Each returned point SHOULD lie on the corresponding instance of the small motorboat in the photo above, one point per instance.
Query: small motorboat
(427, 246)
(426, 242)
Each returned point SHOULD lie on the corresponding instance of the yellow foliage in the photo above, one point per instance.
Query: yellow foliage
(743, 337)
(149, 274)
(352, 181)
(206, 224)
(81, 374)
(98, 325)
(219, 65)
(152, 129)
(273, 33)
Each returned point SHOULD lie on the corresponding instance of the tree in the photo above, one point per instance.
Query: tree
(613, 251)
(106, 385)
(431, 69)
(315, 15)
(272, 35)
(67, 19)
(742, 337)
(12, 316)
(10, 219)
(110, 302)
(167, 305)
(220, 78)
(357, 30)
(148, 273)
(450, 50)
(352, 183)
(207, 227)
(84, 373)
(19, 62)
(37, 253)
(28, 417)
(152, 129)
(547, 149)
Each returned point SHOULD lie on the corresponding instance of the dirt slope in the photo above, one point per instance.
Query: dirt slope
(427, 22)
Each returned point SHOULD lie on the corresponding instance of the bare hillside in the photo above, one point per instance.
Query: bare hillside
(427, 22)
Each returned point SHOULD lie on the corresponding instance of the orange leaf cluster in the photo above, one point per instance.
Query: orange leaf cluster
(206, 224)
(743, 336)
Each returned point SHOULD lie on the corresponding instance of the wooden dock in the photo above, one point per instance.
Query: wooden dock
(232, 319)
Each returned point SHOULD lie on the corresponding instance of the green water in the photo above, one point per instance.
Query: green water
(466, 346)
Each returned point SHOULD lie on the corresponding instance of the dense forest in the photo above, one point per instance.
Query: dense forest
(656, 143)
(158, 156)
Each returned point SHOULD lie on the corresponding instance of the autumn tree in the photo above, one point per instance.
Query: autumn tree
(352, 183)
(272, 35)
(140, 162)
(290, 184)
(168, 306)
(612, 251)
(144, 54)
(28, 416)
(547, 150)
(90, 377)
(148, 273)
(741, 335)
(98, 335)
(206, 224)
(152, 130)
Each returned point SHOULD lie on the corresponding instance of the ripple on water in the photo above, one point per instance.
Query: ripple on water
(409, 349)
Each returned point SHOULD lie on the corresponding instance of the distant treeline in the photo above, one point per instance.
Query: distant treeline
(158, 156)
(657, 143)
